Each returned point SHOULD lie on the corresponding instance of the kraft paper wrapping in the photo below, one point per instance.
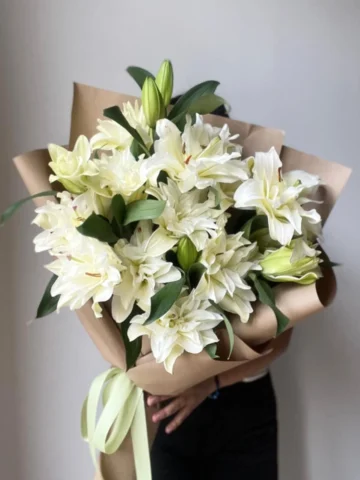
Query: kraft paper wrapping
(89, 103)
(254, 342)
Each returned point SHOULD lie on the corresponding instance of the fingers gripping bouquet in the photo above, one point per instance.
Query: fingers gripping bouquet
(184, 247)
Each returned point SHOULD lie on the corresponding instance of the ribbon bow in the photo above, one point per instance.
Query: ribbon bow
(124, 410)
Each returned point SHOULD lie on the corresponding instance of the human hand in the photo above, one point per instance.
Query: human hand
(181, 405)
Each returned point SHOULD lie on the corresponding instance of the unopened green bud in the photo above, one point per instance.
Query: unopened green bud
(277, 267)
(165, 81)
(152, 102)
(186, 253)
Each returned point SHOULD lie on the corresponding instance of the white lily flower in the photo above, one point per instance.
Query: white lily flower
(145, 271)
(59, 221)
(186, 327)
(55, 219)
(199, 135)
(311, 224)
(307, 182)
(71, 168)
(120, 173)
(113, 136)
(201, 157)
(279, 197)
(90, 202)
(228, 260)
(91, 272)
(191, 214)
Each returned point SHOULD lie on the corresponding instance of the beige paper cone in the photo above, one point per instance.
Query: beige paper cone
(295, 301)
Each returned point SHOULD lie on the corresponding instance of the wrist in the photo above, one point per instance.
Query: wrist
(215, 388)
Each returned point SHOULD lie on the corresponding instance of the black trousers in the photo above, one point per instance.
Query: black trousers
(231, 438)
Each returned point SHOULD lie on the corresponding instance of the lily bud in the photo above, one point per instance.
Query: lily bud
(165, 81)
(186, 253)
(152, 102)
(277, 266)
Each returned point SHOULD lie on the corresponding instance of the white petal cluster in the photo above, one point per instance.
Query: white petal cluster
(121, 173)
(199, 158)
(228, 260)
(59, 222)
(91, 272)
(192, 214)
(72, 168)
(280, 197)
(146, 270)
(187, 327)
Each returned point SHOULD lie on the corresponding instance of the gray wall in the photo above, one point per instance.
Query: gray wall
(293, 65)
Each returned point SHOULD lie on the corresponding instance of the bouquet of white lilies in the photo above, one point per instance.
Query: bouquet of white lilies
(163, 221)
(149, 230)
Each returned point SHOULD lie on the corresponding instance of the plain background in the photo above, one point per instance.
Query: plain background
(292, 65)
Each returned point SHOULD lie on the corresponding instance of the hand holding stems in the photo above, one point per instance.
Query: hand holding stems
(182, 405)
(185, 403)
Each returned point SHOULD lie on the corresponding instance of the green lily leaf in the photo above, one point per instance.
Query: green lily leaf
(330, 264)
(164, 299)
(255, 223)
(326, 262)
(48, 303)
(266, 296)
(9, 212)
(136, 149)
(97, 226)
(118, 209)
(133, 349)
(211, 351)
(139, 74)
(196, 271)
(180, 120)
(143, 210)
(186, 100)
(114, 113)
(228, 327)
(206, 104)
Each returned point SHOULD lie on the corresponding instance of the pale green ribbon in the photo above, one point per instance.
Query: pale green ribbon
(124, 410)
